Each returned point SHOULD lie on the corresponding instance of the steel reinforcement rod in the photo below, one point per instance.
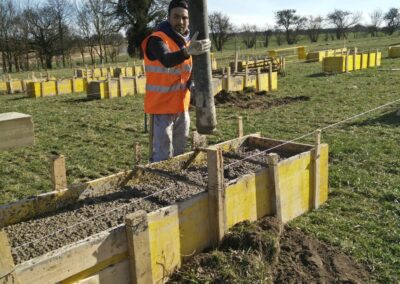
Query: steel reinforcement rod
(206, 119)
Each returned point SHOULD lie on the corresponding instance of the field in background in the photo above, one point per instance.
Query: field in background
(362, 216)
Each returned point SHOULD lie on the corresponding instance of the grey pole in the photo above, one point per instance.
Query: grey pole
(206, 120)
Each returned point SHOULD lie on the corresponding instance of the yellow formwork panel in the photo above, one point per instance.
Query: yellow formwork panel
(274, 81)
(334, 64)
(48, 88)
(80, 85)
(138, 70)
(128, 87)
(111, 89)
(214, 65)
(394, 51)
(164, 238)
(216, 85)
(364, 60)
(372, 60)
(64, 87)
(103, 71)
(301, 53)
(15, 85)
(3, 87)
(96, 72)
(129, 71)
(33, 89)
(140, 85)
(249, 199)
(236, 84)
(119, 71)
(250, 82)
(262, 82)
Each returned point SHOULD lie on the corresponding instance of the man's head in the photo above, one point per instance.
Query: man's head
(178, 16)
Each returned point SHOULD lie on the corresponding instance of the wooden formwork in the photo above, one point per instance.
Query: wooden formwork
(394, 51)
(318, 56)
(351, 61)
(149, 246)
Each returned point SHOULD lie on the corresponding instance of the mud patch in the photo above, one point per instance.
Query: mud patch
(268, 252)
(254, 100)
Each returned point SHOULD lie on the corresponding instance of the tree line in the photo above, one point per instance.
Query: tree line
(41, 34)
(289, 26)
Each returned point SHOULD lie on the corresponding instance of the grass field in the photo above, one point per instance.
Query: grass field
(362, 216)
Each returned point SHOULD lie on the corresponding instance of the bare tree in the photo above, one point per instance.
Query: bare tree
(138, 17)
(221, 29)
(343, 21)
(7, 20)
(291, 22)
(376, 20)
(267, 35)
(392, 18)
(249, 34)
(314, 26)
(62, 10)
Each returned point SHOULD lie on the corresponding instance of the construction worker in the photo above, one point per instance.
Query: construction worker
(168, 66)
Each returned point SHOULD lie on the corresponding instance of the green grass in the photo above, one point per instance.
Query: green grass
(362, 215)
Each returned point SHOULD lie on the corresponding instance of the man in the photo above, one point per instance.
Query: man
(168, 65)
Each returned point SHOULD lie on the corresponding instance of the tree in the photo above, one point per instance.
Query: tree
(343, 21)
(291, 22)
(221, 29)
(43, 31)
(249, 34)
(392, 18)
(267, 35)
(376, 20)
(138, 17)
(314, 25)
(62, 10)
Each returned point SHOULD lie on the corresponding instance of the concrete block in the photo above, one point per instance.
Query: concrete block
(16, 129)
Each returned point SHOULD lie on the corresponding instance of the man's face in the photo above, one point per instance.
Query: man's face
(179, 20)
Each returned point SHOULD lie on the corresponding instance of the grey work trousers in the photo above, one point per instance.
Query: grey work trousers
(170, 133)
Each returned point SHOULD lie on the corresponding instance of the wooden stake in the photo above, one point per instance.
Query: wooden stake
(355, 59)
(240, 127)
(258, 79)
(270, 76)
(109, 89)
(246, 76)
(228, 79)
(57, 87)
(376, 58)
(73, 82)
(274, 176)
(347, 61)
(42, 88)
(121, 86)
(317, 178)
(369, 58)
(7, 274)
(58, 172)
(216, 195)
(138, 154)
(137, 234)
(236, 61)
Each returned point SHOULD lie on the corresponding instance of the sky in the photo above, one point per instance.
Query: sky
(261, 12)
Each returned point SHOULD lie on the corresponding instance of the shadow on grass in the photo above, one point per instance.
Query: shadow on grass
(80, 100)
(20, 97)
(388, 119)
(321, 74)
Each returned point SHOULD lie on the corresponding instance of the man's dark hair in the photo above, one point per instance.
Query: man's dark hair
(177, 3)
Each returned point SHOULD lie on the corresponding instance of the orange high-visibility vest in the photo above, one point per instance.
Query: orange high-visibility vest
(166, 88)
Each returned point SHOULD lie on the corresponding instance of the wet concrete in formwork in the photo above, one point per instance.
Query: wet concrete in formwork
(90, 216)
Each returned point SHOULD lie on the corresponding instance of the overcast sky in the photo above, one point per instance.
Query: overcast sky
(261, 12)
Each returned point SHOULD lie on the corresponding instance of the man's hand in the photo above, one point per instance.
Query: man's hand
(197, 47)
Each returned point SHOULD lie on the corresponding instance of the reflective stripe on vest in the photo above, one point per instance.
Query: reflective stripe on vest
(165, 70)
(160, 89)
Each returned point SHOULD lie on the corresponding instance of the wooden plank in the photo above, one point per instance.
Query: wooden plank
(216, 195)
(58, 172)
(137, 234)
(61, 264)
(240, 127)
(7, 273)
(116, 274)
(316, 174)
(270, 143)
(274, 176)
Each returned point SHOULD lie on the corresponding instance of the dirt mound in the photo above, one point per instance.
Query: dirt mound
(267, 252)
(249, 99)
